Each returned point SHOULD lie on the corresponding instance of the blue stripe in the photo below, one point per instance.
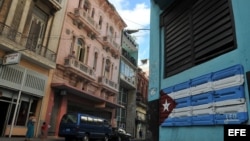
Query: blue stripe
(231, 71)
(207, 119)
(202, 99)
(229, 93)
(201, 80)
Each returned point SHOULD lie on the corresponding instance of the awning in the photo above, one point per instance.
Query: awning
(84, 94)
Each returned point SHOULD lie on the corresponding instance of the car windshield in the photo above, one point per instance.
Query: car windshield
(69, 118)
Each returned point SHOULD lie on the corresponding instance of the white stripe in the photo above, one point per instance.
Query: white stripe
(203, 111)
(228, 82)
(230, 110)
(213, 104)
(232, 81)
(203, 88)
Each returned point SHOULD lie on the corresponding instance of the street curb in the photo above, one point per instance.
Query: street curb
(38, 139)
(33, 139)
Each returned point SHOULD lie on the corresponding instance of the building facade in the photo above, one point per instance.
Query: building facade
(199, 68)
(87, 65)
(127, 91)
(144, 65)
(28, 57)
(141, 121)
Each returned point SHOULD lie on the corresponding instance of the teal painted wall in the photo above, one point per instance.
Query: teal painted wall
(241, 56)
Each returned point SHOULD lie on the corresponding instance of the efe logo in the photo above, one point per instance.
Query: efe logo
(236, 132)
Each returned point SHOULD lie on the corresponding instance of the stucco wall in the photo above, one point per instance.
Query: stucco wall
(238, 56)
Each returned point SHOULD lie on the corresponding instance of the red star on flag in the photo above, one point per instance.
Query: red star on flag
(167, 104)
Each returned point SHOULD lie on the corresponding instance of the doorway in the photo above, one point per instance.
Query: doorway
(3, 108)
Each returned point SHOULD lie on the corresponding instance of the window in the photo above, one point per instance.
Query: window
(100, 22)
(106, 123)
(107, 68)
(93, 13)
(122, 99)
(69, 118)
(81, 50)
(25, 108)
(123, 96)
(95, 60)
(23, 113)
(36, 29)
(79, 4)
(112, 69)
(127, 70)
(83, 119)
(86, 6)
(196, 31)
(107, 27)
(111, 32)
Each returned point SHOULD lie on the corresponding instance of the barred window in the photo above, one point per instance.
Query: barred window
(196, 31)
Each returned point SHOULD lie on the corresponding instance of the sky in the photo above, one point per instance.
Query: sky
(136, 14)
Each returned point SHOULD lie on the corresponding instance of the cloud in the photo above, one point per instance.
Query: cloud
(136, 16)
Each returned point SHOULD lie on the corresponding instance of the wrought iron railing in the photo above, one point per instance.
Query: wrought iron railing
(129, 57)
(26, 42)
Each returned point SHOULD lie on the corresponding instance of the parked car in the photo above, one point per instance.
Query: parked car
(84, 127)
(119, 134)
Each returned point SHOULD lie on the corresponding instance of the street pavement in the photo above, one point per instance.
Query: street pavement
(33, 139)
(38, 139)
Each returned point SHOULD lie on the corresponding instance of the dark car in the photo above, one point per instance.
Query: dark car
(84, 127)
(119, 134)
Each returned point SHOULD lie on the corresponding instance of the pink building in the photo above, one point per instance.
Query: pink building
(86, 76)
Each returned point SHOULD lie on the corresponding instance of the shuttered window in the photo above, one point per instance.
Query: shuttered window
(196, 31)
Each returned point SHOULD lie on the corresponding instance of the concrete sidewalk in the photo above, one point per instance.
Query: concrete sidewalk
(33, 139)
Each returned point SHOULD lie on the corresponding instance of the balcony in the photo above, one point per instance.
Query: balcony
(127, 82)
(56, 4)
(79, 68)
(140, 100)
(111, 44)
(11, 40)
(83, 20)
(129, 57)
(108, 83)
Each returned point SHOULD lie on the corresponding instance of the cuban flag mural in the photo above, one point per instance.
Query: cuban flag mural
(211, 99)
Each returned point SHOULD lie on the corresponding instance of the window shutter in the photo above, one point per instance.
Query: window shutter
(196, 31)
(212, 29)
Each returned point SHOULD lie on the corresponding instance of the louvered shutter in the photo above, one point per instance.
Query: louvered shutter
(196, 31)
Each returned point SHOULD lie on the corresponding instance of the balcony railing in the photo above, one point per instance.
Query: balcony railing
(130, 80)
(79, 66)
(24, 41)
(111, 42)
(129, 57)
(105, 81)
(80, 12)
(56, 4)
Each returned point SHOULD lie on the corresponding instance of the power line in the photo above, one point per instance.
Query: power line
(135, 22)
